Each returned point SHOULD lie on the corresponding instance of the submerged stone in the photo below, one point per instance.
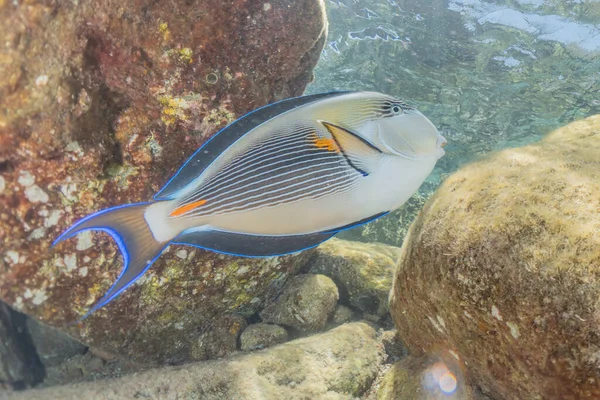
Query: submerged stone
(51, 345)
(20, 367)
(502, 267)
(259, 336)
(306, 303)
(421, 378)
(340, 364)
(220, 341)
(363, 272)
(342, 315)
(102, 103)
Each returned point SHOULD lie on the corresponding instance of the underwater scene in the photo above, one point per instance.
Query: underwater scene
(300, 199)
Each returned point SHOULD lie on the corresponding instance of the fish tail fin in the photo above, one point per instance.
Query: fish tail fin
(128, 227)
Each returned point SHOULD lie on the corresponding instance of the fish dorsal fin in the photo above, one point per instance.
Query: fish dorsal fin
(356, 150)
(220, 141)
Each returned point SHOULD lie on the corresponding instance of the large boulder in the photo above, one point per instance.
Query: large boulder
(102, 102)
(336, 365)
(502, 268)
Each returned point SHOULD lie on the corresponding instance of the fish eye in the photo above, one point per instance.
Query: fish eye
(396, 109)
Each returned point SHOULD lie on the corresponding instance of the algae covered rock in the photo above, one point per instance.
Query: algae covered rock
(220, 341)
(340, 364)
(306, 303)
(259, 336)
(502, 267)
(342, 314)
(102, 102)
(419, 378)
(392, 343)
(362, 272)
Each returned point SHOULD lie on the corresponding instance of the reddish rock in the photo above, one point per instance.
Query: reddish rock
(101, 103)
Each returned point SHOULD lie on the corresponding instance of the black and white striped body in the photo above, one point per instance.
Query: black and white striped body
(277, 181)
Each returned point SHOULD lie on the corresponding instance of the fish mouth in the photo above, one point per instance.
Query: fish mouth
(441, 141)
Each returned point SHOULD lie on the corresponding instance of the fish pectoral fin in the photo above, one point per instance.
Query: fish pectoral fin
(357, 151)
(246, 245)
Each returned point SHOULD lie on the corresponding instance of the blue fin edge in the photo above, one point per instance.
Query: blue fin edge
(335, 230)
(120, 244)
(73, 228)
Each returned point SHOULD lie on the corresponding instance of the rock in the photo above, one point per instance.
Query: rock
(86, 367)
(101, 104)
(362, 272)
(339, 364)
(19, 365)
(51, 345)
(392, 343)
(220, 341)
(259, 336)
(423, 379)
(342, 315)
(514, 290)
(306, 303)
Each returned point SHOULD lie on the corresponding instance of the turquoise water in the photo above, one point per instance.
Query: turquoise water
(489, 74)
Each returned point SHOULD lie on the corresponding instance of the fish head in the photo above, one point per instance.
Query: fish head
(406, 132)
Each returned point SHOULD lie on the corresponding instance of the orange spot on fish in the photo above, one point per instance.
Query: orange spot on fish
(186, 207)
(325, 143)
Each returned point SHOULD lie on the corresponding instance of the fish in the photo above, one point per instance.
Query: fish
(279, 180)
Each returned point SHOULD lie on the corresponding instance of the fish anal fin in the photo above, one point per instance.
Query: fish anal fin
(357, 151)
(247, 245)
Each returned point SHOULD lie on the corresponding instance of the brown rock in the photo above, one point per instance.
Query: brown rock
(260, 336)
(306, 303)
(102, 102)
(337, 365)
(363, 272)
(503, 266)
(419, 378)
(220, 341)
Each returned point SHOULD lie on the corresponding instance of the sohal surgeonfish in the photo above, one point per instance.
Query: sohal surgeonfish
(279, 180)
